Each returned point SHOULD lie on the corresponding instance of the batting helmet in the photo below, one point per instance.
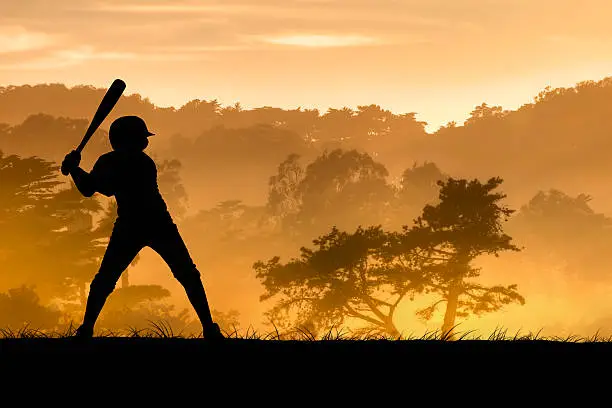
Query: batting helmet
(129, 125)
(126, 129)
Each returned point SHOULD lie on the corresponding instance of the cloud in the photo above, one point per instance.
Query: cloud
(64, 58)
(312, 10)
(18, 39)
(169, 8)
(317, 41)
(38, 64)
(138, 25)
(188, 49)
(88, 53)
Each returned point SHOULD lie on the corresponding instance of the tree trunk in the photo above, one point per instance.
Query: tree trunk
(125, 279)
(451, 312)
(391, 329)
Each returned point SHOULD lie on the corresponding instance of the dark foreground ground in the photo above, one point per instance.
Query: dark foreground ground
(274, 355)
(257, 371)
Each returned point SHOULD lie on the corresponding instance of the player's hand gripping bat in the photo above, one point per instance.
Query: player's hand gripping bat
(108, 103)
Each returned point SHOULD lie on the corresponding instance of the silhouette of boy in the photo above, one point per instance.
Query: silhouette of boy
(130, 175)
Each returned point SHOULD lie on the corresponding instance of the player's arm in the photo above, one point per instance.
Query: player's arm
(86, 183)
(82, 179)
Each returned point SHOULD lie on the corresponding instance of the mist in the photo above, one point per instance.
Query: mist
(246, 185)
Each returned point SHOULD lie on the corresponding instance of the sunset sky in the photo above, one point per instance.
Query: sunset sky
(438, 58)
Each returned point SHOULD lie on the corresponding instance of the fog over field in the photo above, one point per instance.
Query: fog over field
(246, 185)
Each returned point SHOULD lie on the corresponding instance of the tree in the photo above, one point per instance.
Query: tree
(28, 185)
(46, 137)
(231, 160)
(20, 308)
(25, 181)
(75, 245)
(336, 125)
(418, 187)
(283, 194)
(226, 240)
(228, 222)
(342, 188)
(483, 112)
(138, 307)
(172, 188)
(419, 183)
(558, 228)
(48, 237)
(346, 276)
(465, 224)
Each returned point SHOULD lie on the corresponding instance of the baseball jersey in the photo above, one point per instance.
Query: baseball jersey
(131, 177)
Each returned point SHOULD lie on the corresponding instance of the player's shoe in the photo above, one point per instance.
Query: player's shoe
(213, 333)
(83, 332)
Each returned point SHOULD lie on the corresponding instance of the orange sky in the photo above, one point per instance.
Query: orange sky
(438, 58)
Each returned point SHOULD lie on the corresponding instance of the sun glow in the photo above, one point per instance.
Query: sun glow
(18, 39)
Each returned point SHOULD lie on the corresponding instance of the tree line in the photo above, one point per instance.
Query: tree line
(269, 181)
(335, 242)
(560, 139)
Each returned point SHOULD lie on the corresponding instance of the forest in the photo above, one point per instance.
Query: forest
(354, 218)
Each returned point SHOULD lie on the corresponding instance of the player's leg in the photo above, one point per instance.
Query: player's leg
(123, 247)
(167, 242)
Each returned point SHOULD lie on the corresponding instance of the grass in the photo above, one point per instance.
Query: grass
(163, 330)
(299, 358)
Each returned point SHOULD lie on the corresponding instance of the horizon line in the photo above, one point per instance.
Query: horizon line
(322, 110)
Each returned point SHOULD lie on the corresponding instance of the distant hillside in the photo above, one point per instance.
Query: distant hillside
(80, 102)
(560, 140)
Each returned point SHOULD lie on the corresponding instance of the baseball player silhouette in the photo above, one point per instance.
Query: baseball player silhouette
(130, 175)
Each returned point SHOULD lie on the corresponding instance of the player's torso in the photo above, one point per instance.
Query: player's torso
(134, 185)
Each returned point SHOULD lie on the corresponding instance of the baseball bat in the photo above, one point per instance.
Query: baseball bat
(106, 106)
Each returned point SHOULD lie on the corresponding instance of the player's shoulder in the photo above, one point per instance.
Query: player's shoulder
(108, 155)
(148, 159)
(106, 158)
(146, 156)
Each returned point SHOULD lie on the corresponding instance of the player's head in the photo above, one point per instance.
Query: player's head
(129, 133)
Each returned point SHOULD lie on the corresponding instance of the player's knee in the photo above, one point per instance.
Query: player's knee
(102, 285)
(186, 274)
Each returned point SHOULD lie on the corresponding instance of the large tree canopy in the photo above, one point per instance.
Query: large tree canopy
(360, 276)
(338, 188)
(48, 238)
(465, 224)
